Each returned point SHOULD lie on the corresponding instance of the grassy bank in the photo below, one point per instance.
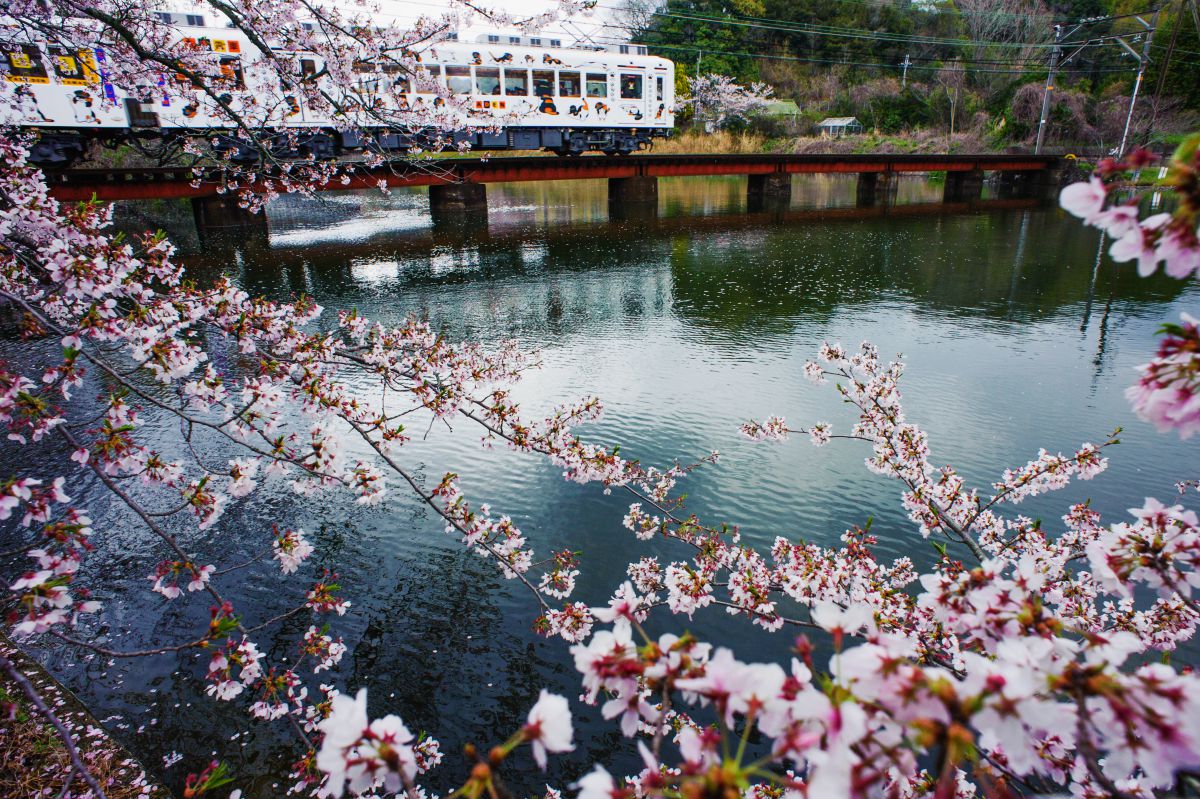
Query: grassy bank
(33, 760)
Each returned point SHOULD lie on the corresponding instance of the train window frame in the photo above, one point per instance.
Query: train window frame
(36, 72)
(430, 75)
(454, 74)
(525, 82)
(488, 73)
(598, 80)
(564, 83)
(85, 71)
(638, 81)
(548, 78)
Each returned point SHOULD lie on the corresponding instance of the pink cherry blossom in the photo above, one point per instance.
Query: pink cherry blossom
(548, 728)
(1085, 200)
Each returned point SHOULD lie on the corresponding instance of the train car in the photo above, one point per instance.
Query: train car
(503, 92)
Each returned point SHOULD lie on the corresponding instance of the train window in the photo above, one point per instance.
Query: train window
(428, 79)
(458, 79)
(23, 61)
(516, 82)
(488, 80)
(624, 49)
(631, 87)
(556, 42)
(658, 88)
(195, 20)
(568, 84)
(308, 67)
(597, 85)
(543, 82)
(163, 17)
(231, 70)
(67, 64)
(514, 39)
(492, 39)
(535, 42)
(402, 84)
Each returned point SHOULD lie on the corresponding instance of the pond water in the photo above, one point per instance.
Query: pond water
(686, 324)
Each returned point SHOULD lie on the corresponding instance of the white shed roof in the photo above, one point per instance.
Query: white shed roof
(837, 122)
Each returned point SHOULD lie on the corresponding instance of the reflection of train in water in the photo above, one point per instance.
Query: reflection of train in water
(506, 92)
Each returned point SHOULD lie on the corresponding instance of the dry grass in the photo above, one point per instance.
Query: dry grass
(918, 141)
(33, 761)
(692, 141)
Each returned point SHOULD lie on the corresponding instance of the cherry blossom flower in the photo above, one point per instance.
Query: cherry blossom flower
(548, 728)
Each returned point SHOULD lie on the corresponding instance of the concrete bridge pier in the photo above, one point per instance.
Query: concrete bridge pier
(1045, 184)
(876, 188)
(221, 216)
(963, 186)
(769, 192)
(457, 197)
(1013, 184)
(639, 191)
(458, 206)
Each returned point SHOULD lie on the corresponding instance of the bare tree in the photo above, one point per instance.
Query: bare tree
(952, 78)
(636, 16)
(1005, 34)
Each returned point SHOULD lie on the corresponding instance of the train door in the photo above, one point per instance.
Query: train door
(660, 106)
(633, 95)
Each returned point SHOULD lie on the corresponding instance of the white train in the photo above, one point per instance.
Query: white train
(505, 92)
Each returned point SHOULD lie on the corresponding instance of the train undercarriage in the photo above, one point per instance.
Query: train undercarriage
(60, 149)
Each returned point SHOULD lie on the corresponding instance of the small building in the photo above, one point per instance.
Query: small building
(837, 127)
(782, 109)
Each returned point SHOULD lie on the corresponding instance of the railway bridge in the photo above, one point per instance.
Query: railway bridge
(459, 184)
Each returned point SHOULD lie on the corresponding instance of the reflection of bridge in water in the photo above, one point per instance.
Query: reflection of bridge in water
(738, 273)
(624, 224)
(459, 185)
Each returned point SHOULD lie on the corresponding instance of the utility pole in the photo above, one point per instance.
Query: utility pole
(1143, 59)
(904, 78)
(698, 54)
(1055, 52)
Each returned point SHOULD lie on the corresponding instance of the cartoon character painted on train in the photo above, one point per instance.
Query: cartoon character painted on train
(580, 110)
(83, 106)
(544, 90)
(27, 103)
(506, 58)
